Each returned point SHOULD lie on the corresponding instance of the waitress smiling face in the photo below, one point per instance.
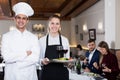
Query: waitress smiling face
(54, 25)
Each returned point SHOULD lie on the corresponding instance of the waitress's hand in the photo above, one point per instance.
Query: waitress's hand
(45, 61)
(70, 65)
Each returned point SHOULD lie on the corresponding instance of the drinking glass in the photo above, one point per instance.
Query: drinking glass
(73, 67)
(59, 50)
(103, 66)
(65, 50)
(87, 59)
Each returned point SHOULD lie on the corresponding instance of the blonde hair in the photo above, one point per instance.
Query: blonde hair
(53, 16)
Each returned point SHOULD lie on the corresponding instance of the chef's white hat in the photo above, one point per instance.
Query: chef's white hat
(23, 8)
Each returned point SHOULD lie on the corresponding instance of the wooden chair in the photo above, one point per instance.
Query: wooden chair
(118, 58)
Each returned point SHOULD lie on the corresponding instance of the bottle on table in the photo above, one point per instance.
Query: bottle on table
(78, 66)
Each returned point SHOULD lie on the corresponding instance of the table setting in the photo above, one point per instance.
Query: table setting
(84, 76)
(73, 75)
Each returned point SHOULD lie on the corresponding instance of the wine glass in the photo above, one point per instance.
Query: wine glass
(73, 67)
(59, 51)
(103, 66)
(65, 50)
(87, 59)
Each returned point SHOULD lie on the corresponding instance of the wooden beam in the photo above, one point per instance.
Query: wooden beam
(5, 7)
(72, 4)
(5, 18)
(83, 7)
(46, 18)
(1, 12)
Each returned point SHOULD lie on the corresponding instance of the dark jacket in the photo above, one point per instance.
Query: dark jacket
(110, 60)
(95, 58)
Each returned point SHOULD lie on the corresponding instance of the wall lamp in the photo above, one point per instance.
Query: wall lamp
(100, 28)
(85, 29)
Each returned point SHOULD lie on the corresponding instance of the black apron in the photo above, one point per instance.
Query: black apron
(54, 71)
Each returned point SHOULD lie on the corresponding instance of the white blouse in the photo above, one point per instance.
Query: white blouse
(53, 41)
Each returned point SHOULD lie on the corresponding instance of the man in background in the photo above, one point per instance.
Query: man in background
(92, 56)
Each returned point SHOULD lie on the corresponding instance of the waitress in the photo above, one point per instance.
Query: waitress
(48, 46)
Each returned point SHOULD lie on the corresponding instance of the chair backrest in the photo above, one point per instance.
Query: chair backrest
(118, 57)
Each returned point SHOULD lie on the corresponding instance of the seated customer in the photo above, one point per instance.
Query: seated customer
(92, 56)
(108, 65)
(80, 52)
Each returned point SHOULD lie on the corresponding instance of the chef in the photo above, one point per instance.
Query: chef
(20, 48)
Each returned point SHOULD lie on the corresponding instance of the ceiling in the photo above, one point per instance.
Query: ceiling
(45, 8)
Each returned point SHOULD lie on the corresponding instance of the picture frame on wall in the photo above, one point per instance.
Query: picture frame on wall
(76, 29)
(92, 34)
(81, 36)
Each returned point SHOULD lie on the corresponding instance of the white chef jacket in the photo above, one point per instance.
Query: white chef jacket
(19, 66)
(53, 41)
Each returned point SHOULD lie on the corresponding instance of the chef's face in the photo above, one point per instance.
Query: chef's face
(21, 21)
(54, 25)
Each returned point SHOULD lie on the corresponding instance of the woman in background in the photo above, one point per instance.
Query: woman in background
(80, 52)
(48, 46)
(108, 62)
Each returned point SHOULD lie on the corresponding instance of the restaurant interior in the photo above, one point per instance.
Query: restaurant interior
(81, 20)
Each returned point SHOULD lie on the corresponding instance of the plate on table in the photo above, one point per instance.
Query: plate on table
(62, 60)
(94, 75)
(99, 78)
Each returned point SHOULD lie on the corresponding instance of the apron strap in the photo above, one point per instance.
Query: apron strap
(60, 39)
(47, 41)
